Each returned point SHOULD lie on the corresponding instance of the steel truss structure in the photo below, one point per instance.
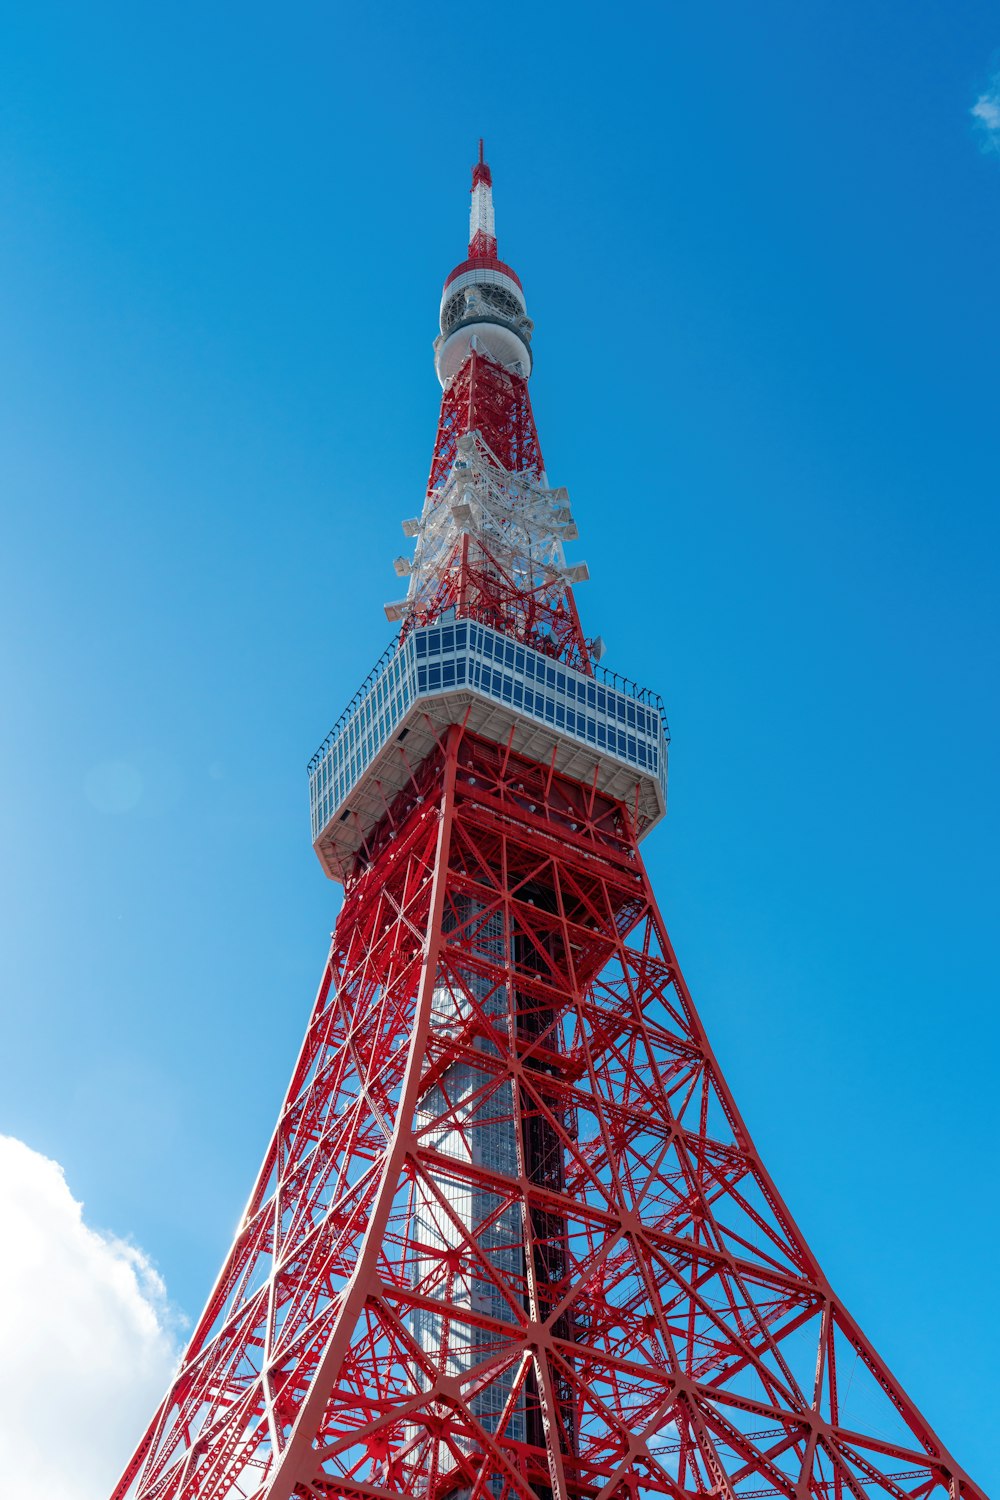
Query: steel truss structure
(486, 398)
(490, 543)
(511, 1239)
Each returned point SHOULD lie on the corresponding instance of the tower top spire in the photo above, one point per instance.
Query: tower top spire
(482, 229)
(483, 304)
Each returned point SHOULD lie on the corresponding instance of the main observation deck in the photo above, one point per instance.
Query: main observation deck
(602, 730)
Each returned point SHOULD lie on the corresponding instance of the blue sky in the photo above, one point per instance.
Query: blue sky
(760, 245)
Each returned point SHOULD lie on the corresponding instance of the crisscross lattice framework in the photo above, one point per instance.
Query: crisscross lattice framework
(484, 397)
(511, 1237)
(490, 547)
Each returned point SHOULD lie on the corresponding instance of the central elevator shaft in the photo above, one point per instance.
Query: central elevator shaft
(472, 1238)
(469, 1115)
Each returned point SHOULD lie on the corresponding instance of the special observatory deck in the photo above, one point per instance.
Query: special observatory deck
(464, 672)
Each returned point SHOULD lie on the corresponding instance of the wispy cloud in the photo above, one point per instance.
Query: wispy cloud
(88, 1336)
(986, 114)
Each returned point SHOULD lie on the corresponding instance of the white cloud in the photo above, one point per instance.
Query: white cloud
(986, 113)
(87, 1335)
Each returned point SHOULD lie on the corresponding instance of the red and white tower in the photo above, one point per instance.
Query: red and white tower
(511, 1237)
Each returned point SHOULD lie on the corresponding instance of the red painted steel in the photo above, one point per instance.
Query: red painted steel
(621, 1306)
(477, 587)
(481, 171)
(667, 1330)
(482, 263)
(485, 397)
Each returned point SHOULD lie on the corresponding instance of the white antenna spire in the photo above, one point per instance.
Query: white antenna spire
(482, 228)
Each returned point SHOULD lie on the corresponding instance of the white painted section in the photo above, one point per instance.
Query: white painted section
(512, 517)
(484, 276)
(481, 212)
(497, 340)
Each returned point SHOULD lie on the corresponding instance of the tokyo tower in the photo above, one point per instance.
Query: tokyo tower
(511, 1239)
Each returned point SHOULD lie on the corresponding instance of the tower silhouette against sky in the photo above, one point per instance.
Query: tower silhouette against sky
(511, 1236)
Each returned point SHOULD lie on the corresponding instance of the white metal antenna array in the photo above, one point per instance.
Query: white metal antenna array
(513, 518)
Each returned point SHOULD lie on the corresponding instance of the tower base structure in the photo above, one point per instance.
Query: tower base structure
(511, 1237)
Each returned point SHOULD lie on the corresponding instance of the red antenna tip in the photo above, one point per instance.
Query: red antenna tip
(481, 172)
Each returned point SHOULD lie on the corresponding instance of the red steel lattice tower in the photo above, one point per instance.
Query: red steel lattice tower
(511, 1237)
